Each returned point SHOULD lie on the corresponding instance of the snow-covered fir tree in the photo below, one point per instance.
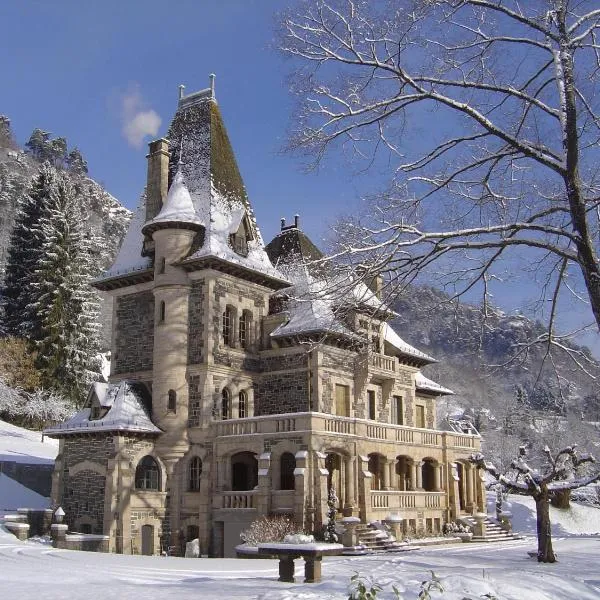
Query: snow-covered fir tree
(60, 296)
(24, 256)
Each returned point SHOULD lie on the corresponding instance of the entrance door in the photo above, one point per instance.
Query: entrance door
(147, 540)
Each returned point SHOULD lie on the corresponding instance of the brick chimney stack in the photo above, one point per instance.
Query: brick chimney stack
(157, 184)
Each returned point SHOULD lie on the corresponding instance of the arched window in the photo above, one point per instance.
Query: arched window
(163, 312)
(244, 328)
(195, 470)
(286, 471)
(225, 404)
(147, 474)
(172, 401)
(243, 405)
(228, 322)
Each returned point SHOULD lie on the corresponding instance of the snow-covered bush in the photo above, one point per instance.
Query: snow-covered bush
(34, 410)
(451, 528)
(268, 529)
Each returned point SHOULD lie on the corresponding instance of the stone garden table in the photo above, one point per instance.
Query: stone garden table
(312, 553)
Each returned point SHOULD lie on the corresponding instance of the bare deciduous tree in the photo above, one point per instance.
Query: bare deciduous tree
(563, 471)
(490, 111)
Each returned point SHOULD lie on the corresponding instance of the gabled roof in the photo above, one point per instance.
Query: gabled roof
(126, 412)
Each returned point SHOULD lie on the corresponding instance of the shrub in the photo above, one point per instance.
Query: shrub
(268, 529)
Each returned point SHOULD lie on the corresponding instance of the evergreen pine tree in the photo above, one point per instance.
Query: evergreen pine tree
(76, 163)
(39, 144)
(66, 305)
(24, 256)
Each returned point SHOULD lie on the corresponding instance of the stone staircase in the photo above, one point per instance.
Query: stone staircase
(374, 540)
(493, 531)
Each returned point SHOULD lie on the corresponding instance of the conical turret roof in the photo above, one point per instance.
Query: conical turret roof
(178, 209)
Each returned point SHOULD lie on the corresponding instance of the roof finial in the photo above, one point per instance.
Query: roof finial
(282, 223)
(212, 84)
(181, 89)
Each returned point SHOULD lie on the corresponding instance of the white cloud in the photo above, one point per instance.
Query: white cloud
(138, 120)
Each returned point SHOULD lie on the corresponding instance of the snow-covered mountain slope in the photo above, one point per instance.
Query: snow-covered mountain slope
(24, 446)
(475, 355)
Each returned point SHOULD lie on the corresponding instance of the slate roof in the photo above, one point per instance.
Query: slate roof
(126, 412)
(425, 384)
(205, 189)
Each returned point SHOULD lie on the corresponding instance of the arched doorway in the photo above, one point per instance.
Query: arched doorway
(244, 471)
(287, 466)
(147, 540)
(376, 467)
(428, 475)
(403, 472)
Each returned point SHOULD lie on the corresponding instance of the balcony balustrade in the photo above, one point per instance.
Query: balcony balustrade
(393, 500)
(347, 426)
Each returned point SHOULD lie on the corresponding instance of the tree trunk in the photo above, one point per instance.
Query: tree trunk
(560, 498)
(544, 530)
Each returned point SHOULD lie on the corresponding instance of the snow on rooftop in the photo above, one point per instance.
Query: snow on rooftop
(225, 217)
(178, 206)
(392, 338)
(130, 257)
(424, 383)
(126, 413)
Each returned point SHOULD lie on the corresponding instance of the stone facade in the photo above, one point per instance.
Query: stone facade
(248, 418)
(134, 333)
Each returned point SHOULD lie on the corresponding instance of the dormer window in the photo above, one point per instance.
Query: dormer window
(95, 412)
(239, 243)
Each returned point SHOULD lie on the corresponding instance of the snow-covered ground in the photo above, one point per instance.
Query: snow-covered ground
(466, 571)
(25, 446)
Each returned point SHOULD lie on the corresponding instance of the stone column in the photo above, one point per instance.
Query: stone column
(301, 489)
(413, 476)
(263, 494)
(468, 471)
(393, 480)
(385, 475)
(350, 486)
(437, 477)
(419, 475)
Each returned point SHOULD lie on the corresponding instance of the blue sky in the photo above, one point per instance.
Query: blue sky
(70, 65)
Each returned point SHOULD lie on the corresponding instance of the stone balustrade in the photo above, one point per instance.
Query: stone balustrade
(394, 500)
(236, 499)
(383, 362)
(332, 424)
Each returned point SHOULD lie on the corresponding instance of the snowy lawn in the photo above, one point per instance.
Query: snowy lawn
(31, 570)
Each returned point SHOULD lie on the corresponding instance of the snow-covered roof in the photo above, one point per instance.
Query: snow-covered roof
(178, 207)
(225, 215)
(394, 340)
(126, 412)
(428, 385)
(129, 258)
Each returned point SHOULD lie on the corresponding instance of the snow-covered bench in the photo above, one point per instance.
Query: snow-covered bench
(312, 554)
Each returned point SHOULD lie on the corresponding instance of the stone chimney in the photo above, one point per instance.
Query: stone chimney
(157, 184)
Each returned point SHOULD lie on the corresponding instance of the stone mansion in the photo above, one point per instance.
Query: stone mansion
(234, 392)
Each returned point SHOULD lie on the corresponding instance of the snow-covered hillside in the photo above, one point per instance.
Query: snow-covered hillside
(25, 446)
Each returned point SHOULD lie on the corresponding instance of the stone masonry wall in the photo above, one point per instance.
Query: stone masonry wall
(281, 393)
(196, 323)
(135, 333)
(84, 497)
(195, 401)
(83, 493)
